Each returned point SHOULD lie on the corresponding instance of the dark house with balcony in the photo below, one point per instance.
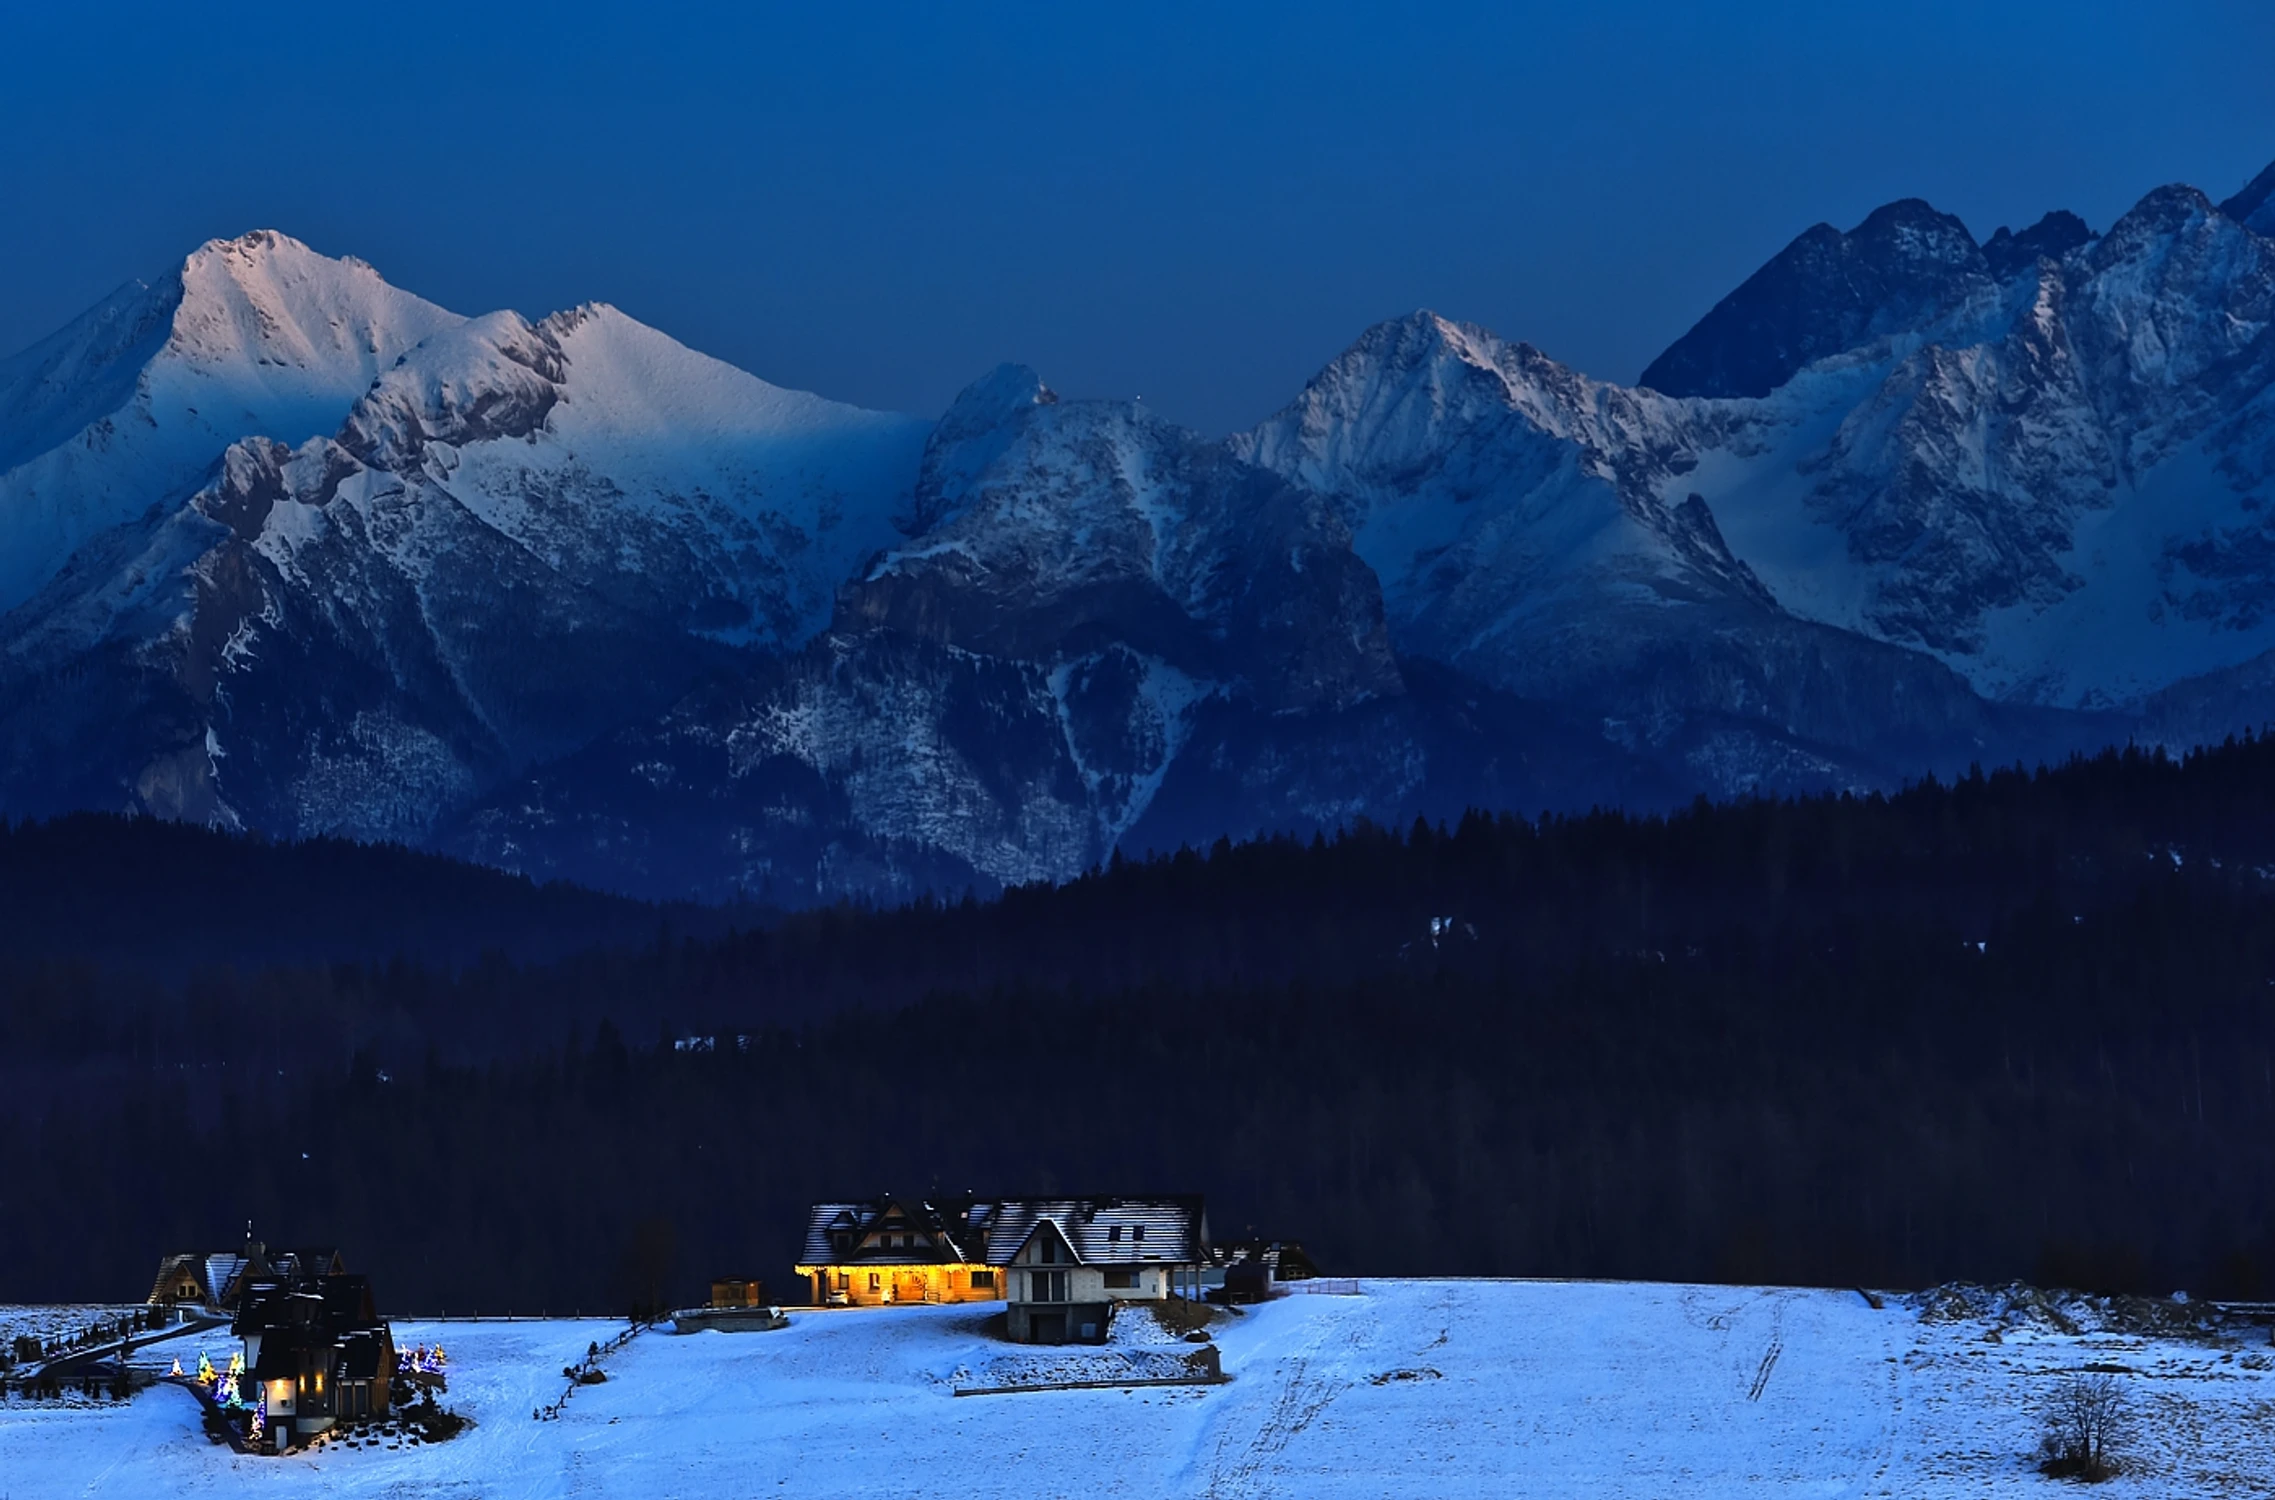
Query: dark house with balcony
(316, 1351)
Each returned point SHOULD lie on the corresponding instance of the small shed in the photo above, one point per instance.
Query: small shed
(738, 1291)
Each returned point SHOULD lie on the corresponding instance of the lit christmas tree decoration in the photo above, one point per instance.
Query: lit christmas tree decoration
(205, 1375)
(260, 1419)
(176, 1372)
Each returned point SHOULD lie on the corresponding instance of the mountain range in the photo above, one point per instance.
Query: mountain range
(284, 548)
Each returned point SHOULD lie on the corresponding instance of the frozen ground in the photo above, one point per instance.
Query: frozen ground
(1411, 1388)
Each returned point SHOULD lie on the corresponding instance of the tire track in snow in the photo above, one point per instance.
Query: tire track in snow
(1769, 1363)
(1316, 1375)
(1770, 1354)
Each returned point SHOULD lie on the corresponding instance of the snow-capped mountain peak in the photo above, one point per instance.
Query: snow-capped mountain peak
(979, 424)
(128, 406)
(266, 299)
(1488, 484)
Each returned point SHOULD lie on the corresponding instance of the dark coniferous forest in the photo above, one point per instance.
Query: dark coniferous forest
(2020, 1025)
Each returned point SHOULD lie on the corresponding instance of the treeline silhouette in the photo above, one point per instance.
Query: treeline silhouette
(2020, 1025)
(140, 895)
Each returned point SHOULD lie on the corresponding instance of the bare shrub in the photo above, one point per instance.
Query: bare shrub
(2087, 1422)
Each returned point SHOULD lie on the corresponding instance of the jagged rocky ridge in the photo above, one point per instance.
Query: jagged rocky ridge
(289, 549)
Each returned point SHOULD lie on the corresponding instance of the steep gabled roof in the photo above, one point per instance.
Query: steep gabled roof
(1046, 1225)
(943, 1227)
(221, 1274)
(173, 1271)
(1168, 1230)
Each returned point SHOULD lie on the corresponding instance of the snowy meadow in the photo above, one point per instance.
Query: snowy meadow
(1417, 1388)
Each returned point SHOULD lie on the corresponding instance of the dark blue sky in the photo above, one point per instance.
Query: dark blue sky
(1198, 204)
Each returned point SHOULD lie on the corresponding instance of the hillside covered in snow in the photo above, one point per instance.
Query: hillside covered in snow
(1418, 1388)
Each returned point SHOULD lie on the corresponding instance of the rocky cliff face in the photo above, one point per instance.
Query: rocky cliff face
(287, 548)
(1005, 694)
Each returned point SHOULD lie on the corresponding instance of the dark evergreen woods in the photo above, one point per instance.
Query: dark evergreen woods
(168, 898)
(2019, 1026)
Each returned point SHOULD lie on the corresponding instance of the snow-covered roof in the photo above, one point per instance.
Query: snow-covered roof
(1167, 1230)
(895, 1232)
(1106, 1231)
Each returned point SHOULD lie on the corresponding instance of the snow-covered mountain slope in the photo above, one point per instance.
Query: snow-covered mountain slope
(1056, 525)
(664, 480)
(1543, 532)
(1112, 633)
(2044, 462)
(1007, 690)
(1492, 488)
(2058, 492)
(520, 536)
(130, 406)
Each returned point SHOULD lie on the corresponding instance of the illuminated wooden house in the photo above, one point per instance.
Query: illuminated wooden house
(184, 1284)
(890, 1250)
(200, 1284)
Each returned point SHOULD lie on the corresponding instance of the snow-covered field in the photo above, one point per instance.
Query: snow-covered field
(52, 1323)
(1410, 1388)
